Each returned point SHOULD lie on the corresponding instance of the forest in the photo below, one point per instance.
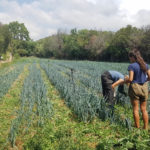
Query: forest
(83, 44)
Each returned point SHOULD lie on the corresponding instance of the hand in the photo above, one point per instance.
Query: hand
(126, 78)
(113, 87)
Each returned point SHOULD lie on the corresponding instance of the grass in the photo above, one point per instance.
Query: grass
(64, 131)
(8, 107)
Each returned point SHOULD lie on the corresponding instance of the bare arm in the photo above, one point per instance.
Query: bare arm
(130, 78)
(148, 74)
(120, 81)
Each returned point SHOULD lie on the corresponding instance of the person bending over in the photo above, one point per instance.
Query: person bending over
(110, 79)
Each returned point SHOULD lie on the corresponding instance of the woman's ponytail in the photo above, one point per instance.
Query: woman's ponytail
(136, 54)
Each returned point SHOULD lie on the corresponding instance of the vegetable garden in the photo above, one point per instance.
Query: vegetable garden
(57, 104)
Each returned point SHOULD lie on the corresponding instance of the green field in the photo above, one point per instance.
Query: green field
(58, 105)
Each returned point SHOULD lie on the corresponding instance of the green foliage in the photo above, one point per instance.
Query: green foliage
(9, 102)
(79, 44)
(124, 40)
(25, 48)
(60, 139)
(133, 140)
(35, 108)
(92, 44)
(145, 44)
(8, 77)
(21, 43)
(76, 45)
(4, 38)
(80, 85)
(22, 52)
(95, 45)
(18, 31)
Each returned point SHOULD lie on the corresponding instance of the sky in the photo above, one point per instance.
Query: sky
(43, 18)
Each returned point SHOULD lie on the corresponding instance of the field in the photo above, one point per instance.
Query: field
(58, 105)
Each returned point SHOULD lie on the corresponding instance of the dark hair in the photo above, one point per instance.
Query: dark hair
(136, 54)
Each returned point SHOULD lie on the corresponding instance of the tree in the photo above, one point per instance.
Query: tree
(71, 47)
(124, 40)
(18, 31)
(25, 48)
(98, 42)
(145, 44)
(5, 38)
(19, 38)
(75, 44)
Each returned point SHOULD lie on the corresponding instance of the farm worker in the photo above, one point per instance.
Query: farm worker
(138, 89)
(110, 79)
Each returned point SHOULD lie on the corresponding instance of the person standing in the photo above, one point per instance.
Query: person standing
(138, 89)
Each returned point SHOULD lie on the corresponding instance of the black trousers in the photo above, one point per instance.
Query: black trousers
(108, 91)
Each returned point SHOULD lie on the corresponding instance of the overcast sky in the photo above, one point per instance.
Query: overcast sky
(44, 17)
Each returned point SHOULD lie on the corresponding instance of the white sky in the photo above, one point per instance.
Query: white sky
(44, 17)
(133, 6)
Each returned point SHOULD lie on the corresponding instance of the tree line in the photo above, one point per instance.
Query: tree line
(81, 44)
(14, 38)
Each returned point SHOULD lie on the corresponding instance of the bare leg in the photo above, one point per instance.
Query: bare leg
(144, 114)
(135, 106)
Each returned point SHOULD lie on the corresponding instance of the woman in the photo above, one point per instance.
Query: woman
(111, 79)
(138, 90)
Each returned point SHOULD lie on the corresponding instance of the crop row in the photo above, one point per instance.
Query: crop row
(88, 73)
(85, 103)
(8, 77)
(35, 107)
